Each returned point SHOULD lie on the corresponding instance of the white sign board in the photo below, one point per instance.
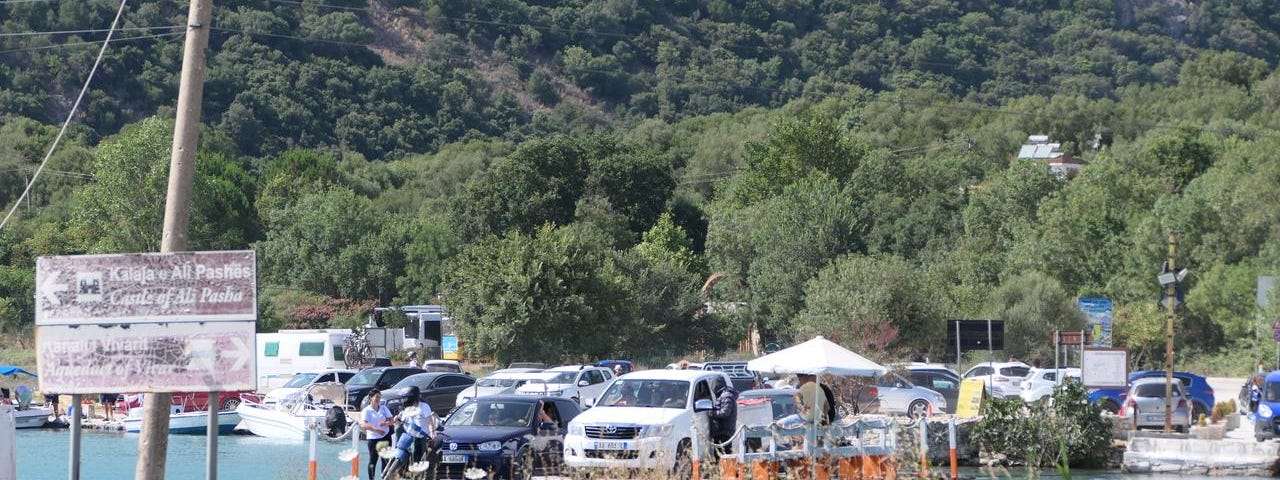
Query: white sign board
(180, 322)
(146, 287)
(1104, 368)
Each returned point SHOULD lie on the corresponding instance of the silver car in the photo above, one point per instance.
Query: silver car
(899, 395)
(1145, 404)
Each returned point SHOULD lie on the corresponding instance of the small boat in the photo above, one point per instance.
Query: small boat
(25, 415)
(189, 423)
(32, 417)
(292, 419)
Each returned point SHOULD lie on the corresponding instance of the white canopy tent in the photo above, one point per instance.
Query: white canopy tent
(816, 357)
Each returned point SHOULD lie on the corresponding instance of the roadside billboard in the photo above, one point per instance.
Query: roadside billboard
(1097, 312)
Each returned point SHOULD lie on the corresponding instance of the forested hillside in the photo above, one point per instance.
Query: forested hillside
(579, 179)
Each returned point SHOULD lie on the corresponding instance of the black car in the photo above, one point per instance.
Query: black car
(437, 389)
(380, 378)
(742, 377)
(502, 435)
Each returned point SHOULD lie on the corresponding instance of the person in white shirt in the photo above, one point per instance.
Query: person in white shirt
(413, 359)
(422, 426)
(376, 421)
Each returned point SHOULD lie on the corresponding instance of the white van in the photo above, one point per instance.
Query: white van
(287, 352)
(645, 419)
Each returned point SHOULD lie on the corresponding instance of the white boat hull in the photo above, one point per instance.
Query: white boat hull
(270, 422)
(34, 417)
(190, 423)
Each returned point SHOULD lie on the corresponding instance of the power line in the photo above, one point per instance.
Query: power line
(70, 114)
(73, 44)
(90, 30)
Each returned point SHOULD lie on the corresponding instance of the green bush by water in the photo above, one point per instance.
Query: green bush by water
(1068, 431)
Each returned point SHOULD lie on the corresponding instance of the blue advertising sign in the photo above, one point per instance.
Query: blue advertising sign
(1097, 312)
(449, 347)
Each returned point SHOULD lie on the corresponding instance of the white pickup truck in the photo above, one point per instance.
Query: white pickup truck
(646, 419)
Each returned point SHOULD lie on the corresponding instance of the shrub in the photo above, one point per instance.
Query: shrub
(1069, 430)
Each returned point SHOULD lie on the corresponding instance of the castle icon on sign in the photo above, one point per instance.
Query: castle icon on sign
(89, 287)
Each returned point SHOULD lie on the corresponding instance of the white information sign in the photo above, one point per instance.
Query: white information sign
(1104, 368)
(179, 322)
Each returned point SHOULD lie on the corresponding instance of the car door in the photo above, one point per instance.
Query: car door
(443, 393)
(946, 385)
(893, 392)
(595, 384)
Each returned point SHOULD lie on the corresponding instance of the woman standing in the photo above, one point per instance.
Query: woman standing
(376, 421)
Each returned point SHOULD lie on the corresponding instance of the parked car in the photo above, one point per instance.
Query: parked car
(782, 401)
(1196, 386)
(1266, 424)
(1145, 404)
(502, 436)
(576, 382)
(938, 378)
(380, 378)
(501, 382)
(742, 377)
(300, 381)
(436, 389)
(536, 365)
(626, 365)
(646, 420)
(1040, 382)
(447, 366)
(1000, 379)
(898, 395)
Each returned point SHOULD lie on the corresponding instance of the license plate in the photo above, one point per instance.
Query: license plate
(611, 446)
(453, 459)
(1155, 418)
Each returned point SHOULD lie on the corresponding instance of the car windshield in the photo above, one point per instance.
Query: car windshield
(492, 414)
(418, 380)
(1152, 390)
(646, 393)
(559, 377)
(301, 380)
(1273, 392)
(498, 382)
(365, 378)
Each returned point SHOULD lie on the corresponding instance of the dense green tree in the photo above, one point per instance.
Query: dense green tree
(877, 305)
(1033, 305)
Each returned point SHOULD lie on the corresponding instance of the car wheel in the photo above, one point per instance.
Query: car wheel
(1197, 410)
(683, 469)
(523, 465)
(230, 404)
(1110, 405)
(918, 409)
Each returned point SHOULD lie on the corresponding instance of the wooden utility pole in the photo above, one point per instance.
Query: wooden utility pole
(153, 444)
(1171, 301)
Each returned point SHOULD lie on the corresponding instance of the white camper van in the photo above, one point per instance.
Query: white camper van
(286, 352)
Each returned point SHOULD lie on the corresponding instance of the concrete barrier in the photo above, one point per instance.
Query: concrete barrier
(1191, 456)
(8, 444)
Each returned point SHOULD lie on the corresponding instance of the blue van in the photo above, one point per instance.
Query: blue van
(1266, 424)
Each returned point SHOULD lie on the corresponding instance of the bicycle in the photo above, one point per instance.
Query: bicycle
(356, 352)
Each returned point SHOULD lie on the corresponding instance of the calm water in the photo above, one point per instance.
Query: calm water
(42, 455)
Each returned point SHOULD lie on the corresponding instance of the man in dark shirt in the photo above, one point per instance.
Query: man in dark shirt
(724, 419)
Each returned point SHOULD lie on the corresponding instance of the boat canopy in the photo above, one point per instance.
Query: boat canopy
(12, 371)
